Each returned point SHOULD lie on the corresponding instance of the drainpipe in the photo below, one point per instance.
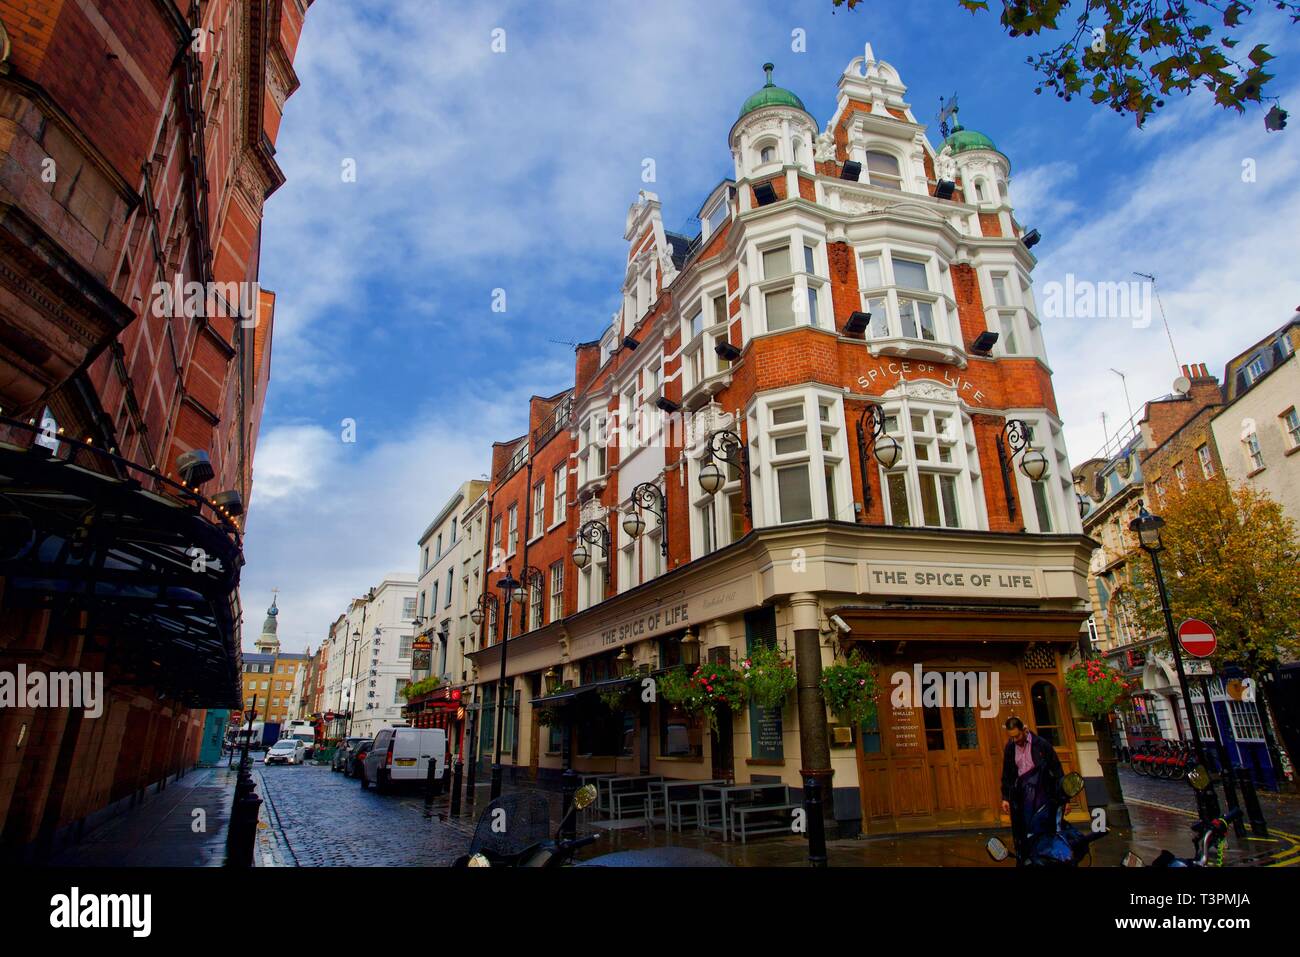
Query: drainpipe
(814, 747)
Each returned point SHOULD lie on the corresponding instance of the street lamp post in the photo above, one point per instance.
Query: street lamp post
(595, 532)
(647, 495)
(1013, 440)
(529, 578)
(725, 445)
(1147, 528)
(487, 604)
(508, 585)
(886, 447)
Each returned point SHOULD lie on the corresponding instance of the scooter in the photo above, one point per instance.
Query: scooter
(514, 831)
(1053, 841)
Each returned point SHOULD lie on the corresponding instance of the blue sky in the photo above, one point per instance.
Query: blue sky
(478, 170)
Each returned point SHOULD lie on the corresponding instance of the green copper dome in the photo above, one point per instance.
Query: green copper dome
(963, 139)
(771, 95)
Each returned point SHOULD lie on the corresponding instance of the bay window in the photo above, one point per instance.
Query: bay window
(936, 482)
(904, 296)
(798, 455)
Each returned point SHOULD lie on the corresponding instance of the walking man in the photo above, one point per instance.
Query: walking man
(1031, 781)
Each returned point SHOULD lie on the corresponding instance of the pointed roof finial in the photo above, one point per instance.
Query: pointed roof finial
(768, 68)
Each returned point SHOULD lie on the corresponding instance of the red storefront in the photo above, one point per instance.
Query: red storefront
(439, 708)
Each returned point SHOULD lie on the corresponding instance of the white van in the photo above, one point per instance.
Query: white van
(402, 755)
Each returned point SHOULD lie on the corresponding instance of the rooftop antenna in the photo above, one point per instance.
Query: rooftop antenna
(1152, 279)
(564, 342)
(947, 110)
(1105, 431)
(1127, 402)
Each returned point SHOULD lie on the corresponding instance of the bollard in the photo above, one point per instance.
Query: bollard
(241, 836)
(568, 785)
(457, 771)
(812, 804)
(430, 784)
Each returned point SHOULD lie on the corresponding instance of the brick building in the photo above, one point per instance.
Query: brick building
(849, 291)
(136, 151)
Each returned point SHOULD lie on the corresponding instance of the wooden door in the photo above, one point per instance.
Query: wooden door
(723, 753)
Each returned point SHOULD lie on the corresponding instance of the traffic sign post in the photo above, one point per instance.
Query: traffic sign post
(1197, 638)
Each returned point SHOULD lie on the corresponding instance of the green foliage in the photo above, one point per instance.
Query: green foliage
(1229, 558)
(423, 686)
(704, 690)
(769, 675)
(1130, 54)
(1095, 687)
(615, 699)
(547, 717)
(850, 689)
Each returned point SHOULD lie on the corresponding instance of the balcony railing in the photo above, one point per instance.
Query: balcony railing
(557, 420)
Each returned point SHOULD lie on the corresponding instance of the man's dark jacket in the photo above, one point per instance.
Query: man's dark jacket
(1045, 759)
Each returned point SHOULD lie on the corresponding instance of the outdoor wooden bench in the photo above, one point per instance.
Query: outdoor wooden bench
(742, 825)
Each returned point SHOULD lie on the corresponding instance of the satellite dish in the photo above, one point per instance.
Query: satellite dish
(1182, 385)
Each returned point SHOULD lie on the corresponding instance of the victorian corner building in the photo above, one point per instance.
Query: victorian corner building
(136, 150)
(848, 290)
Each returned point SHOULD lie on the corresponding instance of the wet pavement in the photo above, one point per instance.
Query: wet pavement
(183, 825)
(312, 816)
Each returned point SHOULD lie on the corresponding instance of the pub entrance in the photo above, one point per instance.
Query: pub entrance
(937, 766)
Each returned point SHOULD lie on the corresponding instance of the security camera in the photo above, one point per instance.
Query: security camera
(840, 624)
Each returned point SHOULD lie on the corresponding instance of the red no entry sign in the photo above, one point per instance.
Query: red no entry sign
(1197, 638)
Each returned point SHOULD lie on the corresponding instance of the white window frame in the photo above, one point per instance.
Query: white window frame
(963, 467)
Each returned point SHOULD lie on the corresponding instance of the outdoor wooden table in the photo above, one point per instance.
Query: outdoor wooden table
(724, 792)
(666, 788)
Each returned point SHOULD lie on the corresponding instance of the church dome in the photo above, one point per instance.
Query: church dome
(269, 626)
(771, 95)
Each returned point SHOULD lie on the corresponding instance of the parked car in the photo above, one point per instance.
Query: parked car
(352, 762)
(343, 753)
(402, 755)
(286, 751)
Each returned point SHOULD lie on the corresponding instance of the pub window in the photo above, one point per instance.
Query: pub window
(933, 729)
(681, 735)
(965, 724)
(1047, 713)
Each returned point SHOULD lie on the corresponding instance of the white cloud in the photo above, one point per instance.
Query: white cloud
(1223, 252)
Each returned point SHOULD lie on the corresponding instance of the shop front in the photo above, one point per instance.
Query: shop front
(440, 708)
(1001, 612)
(932, 757)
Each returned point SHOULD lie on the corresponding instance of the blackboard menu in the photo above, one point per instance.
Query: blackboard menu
(765, 733)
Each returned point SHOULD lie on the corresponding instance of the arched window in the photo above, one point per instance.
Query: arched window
(796, 150)
(767, 154)
(883, 170)
(1047, 712)
(981, 194)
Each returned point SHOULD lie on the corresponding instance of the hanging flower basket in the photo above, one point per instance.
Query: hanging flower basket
(615, 699)
(1095, 687)
(850, 689)
(547, 717)
(706, 689)
(769, 676)
(423, 686)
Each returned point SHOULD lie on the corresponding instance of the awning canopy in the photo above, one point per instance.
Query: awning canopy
(569, 694)
(144, 568)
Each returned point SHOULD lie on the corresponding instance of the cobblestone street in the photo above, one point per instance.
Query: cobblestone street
(320, 818)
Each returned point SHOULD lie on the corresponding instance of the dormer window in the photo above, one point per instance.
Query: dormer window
(883, 170)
